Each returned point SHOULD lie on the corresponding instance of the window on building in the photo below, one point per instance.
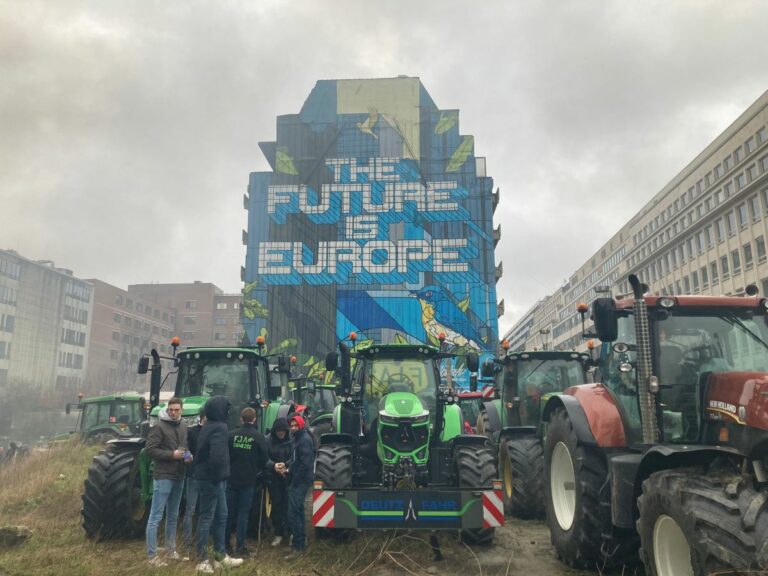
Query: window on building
(221, 305)
(754, 206)
(749, 145)
(724, 270)
(139, 307)
(716, 171)
(741, 181)
(718, 197)
(704, 277)
(730, 223)
(220, 321)
(760, 247)
(190, 320)
(713, 273)
(737, 155)
(735, 261)
(113, 355)
(116, 336)
(188, 336)
(747, 250)
(165, 316)
(129, 304)
(686, 285)
(727, 189)
(117, 318)
(743, 218)
(752, 172)
(695, 281)
(761, 136)
(219, 336)
(190, 304)
(119, 299)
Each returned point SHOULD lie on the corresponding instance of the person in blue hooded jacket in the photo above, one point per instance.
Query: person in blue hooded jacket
(212, 472)
(301, 474)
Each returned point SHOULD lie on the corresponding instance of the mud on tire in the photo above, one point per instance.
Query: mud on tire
(521, 466)
(112, 502)
(476, 468)
(590, 541)
(722, 517)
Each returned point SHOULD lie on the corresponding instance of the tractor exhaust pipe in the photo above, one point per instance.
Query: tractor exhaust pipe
(644, 366)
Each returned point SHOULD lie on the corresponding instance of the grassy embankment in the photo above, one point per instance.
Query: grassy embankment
(43, 492)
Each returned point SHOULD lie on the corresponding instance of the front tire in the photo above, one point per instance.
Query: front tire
(697, 524)
(334, 468)
(113, 506)
(521, 464)
(476, 468)
(578, 501)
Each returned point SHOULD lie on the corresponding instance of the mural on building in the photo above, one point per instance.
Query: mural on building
(374, 220)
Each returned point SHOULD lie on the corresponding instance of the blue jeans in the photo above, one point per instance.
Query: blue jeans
(212, 518)
(296, 495)
(239, 500)
(166, 497)
(189, 511)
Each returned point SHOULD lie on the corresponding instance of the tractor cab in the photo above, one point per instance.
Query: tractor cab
(104, 418)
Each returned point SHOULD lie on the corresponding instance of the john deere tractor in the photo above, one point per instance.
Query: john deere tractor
(523, 382)
(104, 418)
(118, 489)
(315, 401)
(397, 456)
(671, 445)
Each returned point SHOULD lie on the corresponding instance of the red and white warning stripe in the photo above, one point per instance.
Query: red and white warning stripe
(493, 507)
(487, 391)
(323, 502)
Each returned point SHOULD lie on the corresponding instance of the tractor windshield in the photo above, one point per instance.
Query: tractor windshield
(320, 400)
(384, 375)
(95, 414)
(240, 380)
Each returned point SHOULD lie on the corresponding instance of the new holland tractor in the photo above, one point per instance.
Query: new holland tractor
(523, 382)
(672, 445)
(118, 489)
(397, 457)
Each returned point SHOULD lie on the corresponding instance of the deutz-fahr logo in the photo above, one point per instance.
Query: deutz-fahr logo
(719, 405)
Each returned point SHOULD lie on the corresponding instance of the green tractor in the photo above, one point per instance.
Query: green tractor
(315, 401)
(104, 418)
(397, 456)
(512, 421)
(118, 489)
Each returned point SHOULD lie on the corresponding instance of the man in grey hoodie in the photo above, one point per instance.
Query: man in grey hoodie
(166, 446)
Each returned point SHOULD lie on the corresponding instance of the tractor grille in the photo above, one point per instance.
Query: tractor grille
(404, 437)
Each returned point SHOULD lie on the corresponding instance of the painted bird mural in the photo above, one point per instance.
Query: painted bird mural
(369, 124)
(440, 314)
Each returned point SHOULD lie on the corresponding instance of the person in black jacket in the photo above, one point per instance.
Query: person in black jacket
(280, 448)
(301, 472)
(193, 432)
(212, 472)
(247, 459)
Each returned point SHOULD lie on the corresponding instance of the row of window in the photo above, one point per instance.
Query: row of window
(10, 269)
(70, 360)
(69, 383)
(719, 170)
(5, 349)
(141, 308)
(223, 321)
(72, 337)
(74, 314)
(78, 291)
(138, 324)
(224, 305)
(8, 295)
(223, 336)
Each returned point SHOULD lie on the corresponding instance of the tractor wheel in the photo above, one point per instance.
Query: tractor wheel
(484, 427)
(112, 501)
(476, 468)
(692, 523)
(521, 465)
(578, 501)
(333, 467)
(100, 437)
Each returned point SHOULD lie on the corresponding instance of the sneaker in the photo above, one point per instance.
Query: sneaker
(293, 554)
(157, 562)
(242, 552)
(205, 568)
(277, 541)
(229, 562)
(177, 557)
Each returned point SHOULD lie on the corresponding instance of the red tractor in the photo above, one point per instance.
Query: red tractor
(672, 445)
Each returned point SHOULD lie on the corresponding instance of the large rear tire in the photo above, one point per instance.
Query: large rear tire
(521, 464)
(697, 524)
(112, 502)
(578, 501)
(483, 427)
(476, 468)
(334, 468)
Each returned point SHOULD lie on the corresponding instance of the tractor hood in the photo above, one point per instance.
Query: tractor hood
(190, 412)
(396, 405)
(740, 397)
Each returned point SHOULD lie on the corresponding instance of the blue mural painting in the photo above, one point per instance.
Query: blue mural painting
(373, 219)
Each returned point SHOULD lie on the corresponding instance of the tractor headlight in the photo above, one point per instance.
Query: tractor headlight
(153, 421)
(421, 419)
(385, 419)
(191, 420)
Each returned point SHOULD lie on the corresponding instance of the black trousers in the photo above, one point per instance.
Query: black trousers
(278, 492)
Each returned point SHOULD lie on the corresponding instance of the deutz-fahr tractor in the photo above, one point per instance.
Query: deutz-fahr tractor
(672, 445)
(118, 489)
(104, 418)
(523, 382)
(397, 456)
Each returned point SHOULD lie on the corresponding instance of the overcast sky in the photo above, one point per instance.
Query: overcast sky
(128, 128)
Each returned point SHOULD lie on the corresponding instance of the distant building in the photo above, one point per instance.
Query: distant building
(124, 326)
(703, 233)
(376, 217)
(227, 324)
(45, 315)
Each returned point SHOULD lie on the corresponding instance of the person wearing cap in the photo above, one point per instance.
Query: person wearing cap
(300, 477)
(280, 449)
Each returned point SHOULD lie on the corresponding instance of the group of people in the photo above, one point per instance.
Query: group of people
(224, 471)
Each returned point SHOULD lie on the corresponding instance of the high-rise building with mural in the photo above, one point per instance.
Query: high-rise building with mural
(377, 217)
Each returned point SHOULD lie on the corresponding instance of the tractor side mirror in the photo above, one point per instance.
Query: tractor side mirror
(331, 361)
(143, 366)
(606, 319)
(488, 370)
(473, 362)
(283, 365)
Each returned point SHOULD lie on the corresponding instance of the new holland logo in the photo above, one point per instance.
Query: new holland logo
(718, 405)
(410, 514)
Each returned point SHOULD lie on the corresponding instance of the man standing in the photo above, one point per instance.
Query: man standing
(166, 446)
(301, 475)
(212, 472)
(193, 433)
(247, 458)
(280, 449)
